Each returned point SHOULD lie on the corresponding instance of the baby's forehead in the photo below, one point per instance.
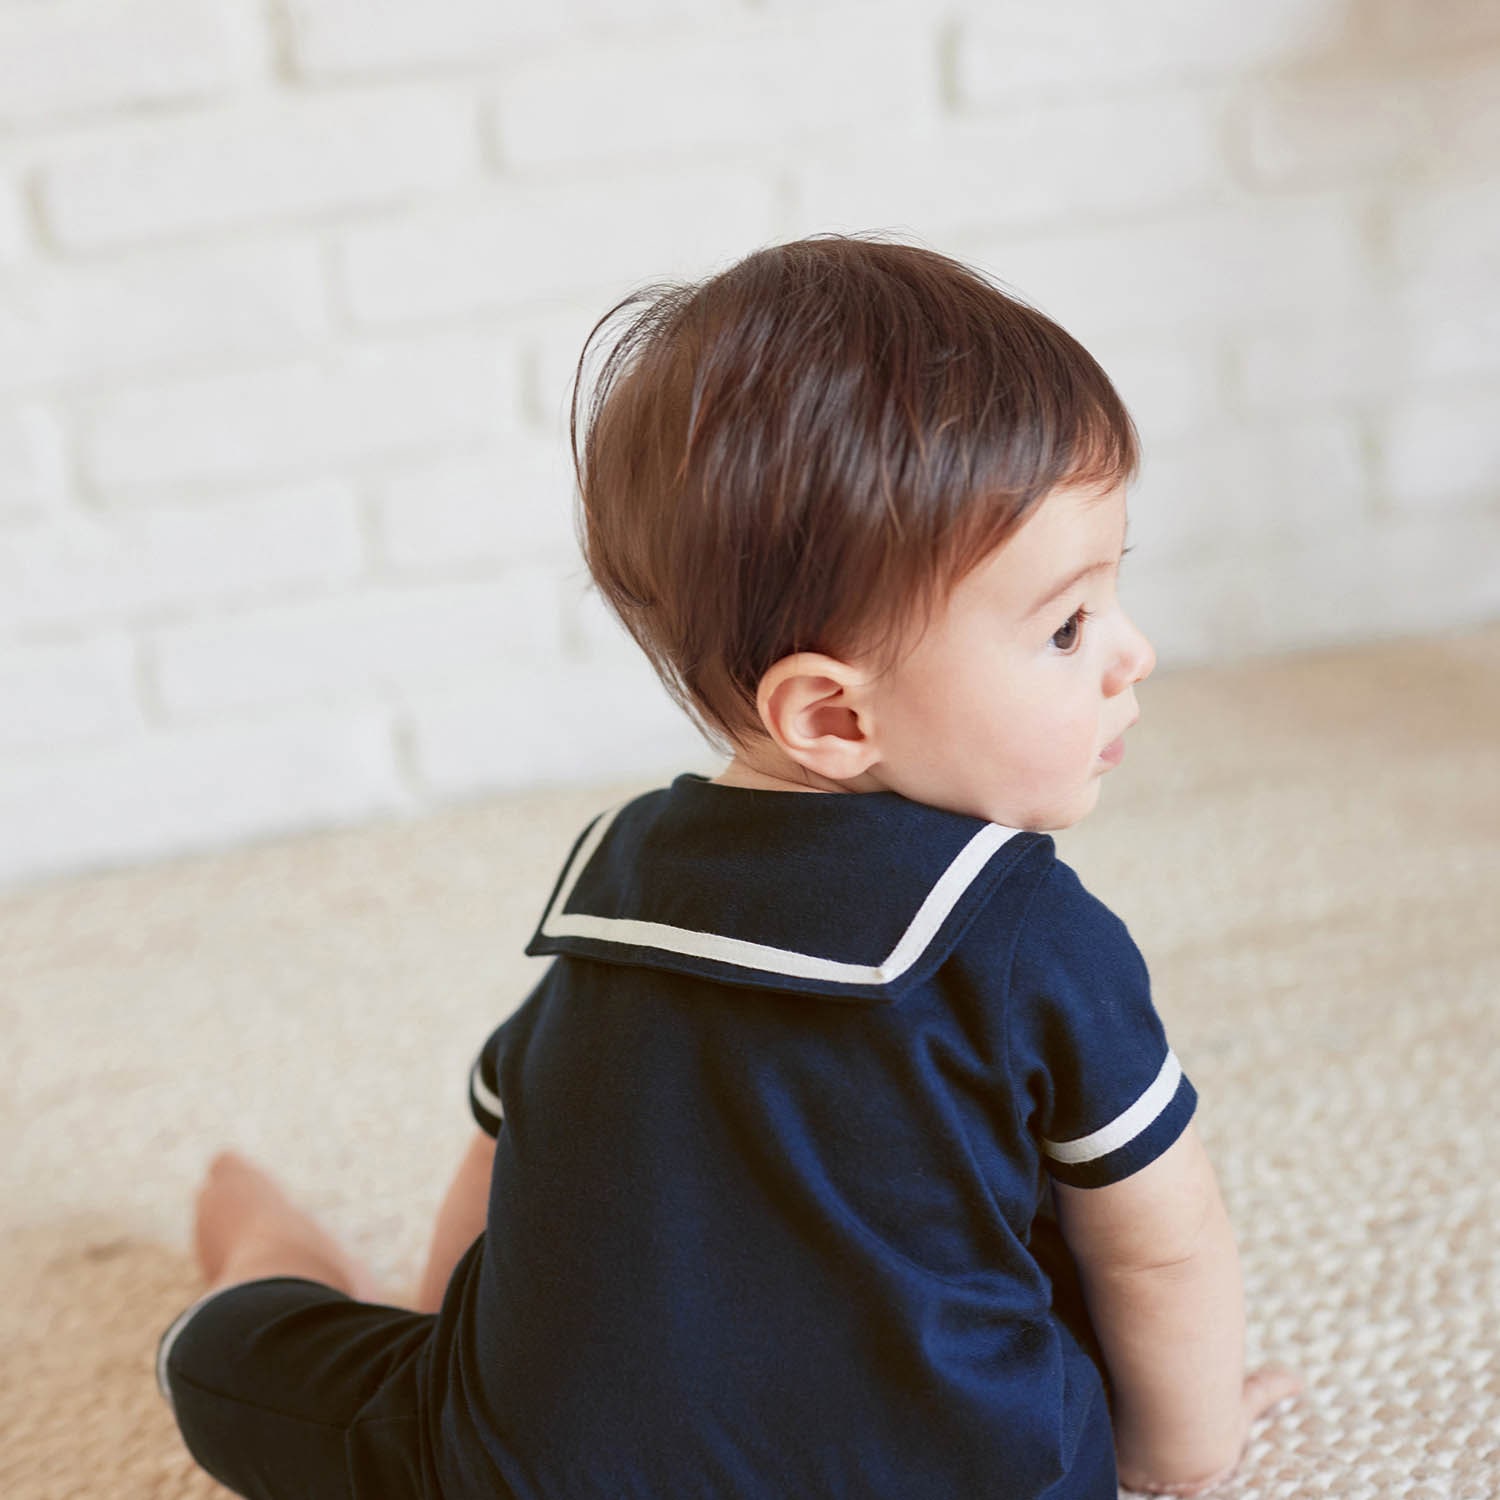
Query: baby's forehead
(1066, 531)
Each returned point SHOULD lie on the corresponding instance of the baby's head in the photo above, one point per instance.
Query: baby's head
(838, 493)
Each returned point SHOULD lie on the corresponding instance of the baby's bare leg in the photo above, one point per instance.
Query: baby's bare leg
(460, 1220)
(246, 1228)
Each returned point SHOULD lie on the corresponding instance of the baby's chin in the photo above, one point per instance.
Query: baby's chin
(1054, 817)
(1036, 808)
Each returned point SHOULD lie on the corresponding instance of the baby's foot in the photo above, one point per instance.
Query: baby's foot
(246, 1227)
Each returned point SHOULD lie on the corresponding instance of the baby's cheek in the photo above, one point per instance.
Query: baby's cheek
(1055, 743)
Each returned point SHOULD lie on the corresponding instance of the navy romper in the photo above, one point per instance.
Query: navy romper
(771, 1211)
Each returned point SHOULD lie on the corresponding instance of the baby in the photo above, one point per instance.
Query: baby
(840, 1151)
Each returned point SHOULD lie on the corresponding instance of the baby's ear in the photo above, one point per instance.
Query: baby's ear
(817, 709)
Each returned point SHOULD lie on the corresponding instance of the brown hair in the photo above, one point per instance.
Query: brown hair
(806, 451)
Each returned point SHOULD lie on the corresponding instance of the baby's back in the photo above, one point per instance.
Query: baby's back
(766, 1173)
(749, 1244)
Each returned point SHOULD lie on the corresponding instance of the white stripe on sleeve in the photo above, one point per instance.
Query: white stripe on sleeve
(1125, 1127)
(487, 1099)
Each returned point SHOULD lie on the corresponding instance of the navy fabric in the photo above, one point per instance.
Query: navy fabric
(285, 1387)
(771, 1209)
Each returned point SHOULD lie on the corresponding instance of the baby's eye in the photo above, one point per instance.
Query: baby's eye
(1073, 630)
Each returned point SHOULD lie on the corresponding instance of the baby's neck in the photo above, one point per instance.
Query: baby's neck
(740, 772)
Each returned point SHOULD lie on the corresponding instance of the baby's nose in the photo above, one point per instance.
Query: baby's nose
(1137, 653)
(1147, 659)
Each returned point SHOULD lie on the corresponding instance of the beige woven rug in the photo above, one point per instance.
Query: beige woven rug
(1307, 850)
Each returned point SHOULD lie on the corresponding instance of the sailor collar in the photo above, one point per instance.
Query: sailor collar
(855, 896)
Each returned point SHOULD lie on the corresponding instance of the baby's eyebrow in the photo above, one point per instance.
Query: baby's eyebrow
(1069, 583)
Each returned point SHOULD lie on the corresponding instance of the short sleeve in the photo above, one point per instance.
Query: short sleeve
(1093, 1075)
(484, 1086)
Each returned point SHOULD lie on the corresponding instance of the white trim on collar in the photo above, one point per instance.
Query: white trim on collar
(940, 900)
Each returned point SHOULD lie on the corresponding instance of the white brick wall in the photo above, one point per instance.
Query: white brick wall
(742, 87)
(541, 239)
(1335, 130)
(263, 160)
(466, 735)
(357, 645)
(474, 512)
(32, 460)
(354, 404)
(142, 314)
(1442, 451)
(1438, 27)
(137, 567)
(941, 173)
(82, 57)
(12, 227)
(333, 37)
(1216, 266)
(200, 788)
(1033, 46)
(291, 297)
(69, 694)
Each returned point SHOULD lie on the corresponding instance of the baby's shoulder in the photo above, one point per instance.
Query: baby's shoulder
(1054, 922)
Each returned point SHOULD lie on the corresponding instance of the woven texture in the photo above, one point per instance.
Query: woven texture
(1307, 851)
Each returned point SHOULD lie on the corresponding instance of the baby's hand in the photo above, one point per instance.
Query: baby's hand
(1264, 1388)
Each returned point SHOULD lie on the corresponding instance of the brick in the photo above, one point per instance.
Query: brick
(1435, 26)
(1403, 577)
(206, 788)
(748, 83)
(275, 157)
(79, 57)
(1322, 360)
(1044, 163)
(1334, 130)
(33, 473)
(1038, 45)
(1292, 598)
(363, 401)
(1189, 607)
(1169, 389)
(591, 629)
(1221, 268)
(343, 36)
(1382, 580)
(1449, 231)
(331, 37)
(533, 725)
(515, 502)
(376, 640)
(13, 233)
(68, 694)
(1443, 450)
(1236, 488)
(83, 323)
(1448, 327)
(143, 565)
(527, 241)
(1465, 105)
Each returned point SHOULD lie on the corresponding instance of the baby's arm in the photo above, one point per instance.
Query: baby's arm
(1161, 1276)
(460, 1220)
